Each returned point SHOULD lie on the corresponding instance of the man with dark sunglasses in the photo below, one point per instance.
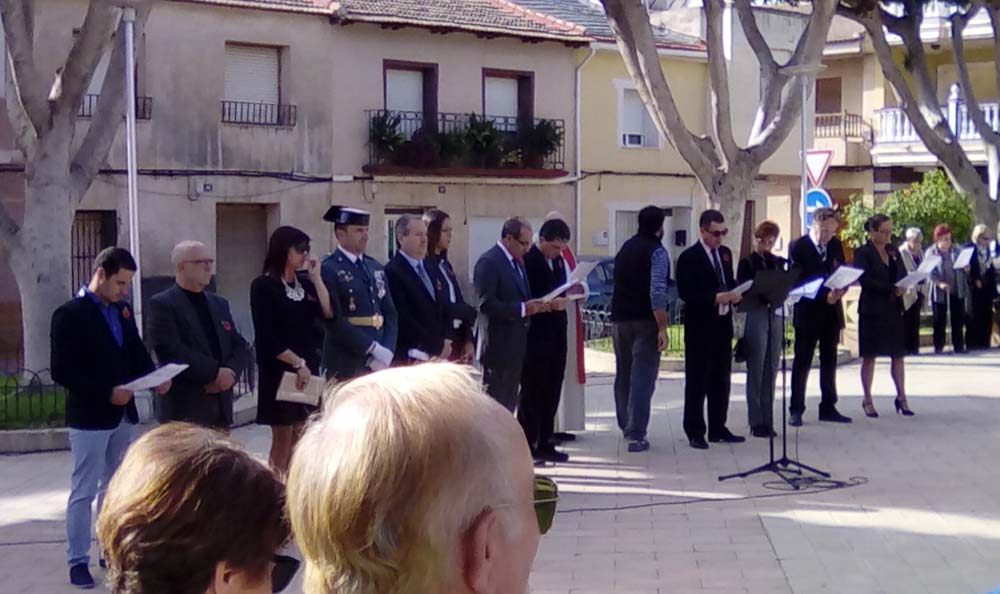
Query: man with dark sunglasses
(449, 504)
(705, 283)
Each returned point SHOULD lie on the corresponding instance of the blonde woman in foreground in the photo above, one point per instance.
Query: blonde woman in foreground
(413, 481)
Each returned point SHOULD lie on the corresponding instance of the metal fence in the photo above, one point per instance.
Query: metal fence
(597, 330)
(143, 107)
(29, 400)
(259, 114)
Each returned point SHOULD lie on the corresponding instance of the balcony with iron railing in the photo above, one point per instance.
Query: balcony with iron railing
(143, 107)
(463, 144)
(897, 141)
(848, 135)
(259, 114)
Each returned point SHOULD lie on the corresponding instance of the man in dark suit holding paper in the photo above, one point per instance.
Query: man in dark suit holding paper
(705, 283)
(817, 255)
(192, 326)
(96, 351)
(545, 355)
(505, 304)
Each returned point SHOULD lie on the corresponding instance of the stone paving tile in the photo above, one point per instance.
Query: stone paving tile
(927, 521)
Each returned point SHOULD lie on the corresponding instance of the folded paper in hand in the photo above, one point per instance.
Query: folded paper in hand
(806, 291)
(156, 378)
(577, 277)
(843, 277)
(741, 289)
(929, 264)
(310, 394)
(964, 257)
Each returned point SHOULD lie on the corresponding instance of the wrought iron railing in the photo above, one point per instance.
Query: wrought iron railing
(424, 139)
(597, 330)
(28, 400)
(259, 114)
(246, 383)
(143, 107)
(843, 125)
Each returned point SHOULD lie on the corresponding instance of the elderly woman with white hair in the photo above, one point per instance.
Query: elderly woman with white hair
(912, 253)
(414, 481)
(983, 289)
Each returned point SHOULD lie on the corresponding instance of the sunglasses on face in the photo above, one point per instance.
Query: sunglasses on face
(302, 248)
(546, 497)
(721, 233)
(283, 572)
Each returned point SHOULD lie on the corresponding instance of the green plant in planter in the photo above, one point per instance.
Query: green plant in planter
(484, 141)
(454, 148)
(538, 140)
(422, 150)
(384, 136)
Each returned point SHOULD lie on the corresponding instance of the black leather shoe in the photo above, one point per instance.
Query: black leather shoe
(551, 455)
(762, 431)
(795, 419)
(638, 445)
(698, 443)
(562, 437)
(727, 438)
(79, 576)
(832, 416)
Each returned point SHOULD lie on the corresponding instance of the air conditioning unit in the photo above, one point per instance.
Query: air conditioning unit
(633, 139)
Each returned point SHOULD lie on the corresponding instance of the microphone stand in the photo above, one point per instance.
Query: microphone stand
(782, 466)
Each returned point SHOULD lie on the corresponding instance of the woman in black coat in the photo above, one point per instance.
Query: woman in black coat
(461, 316)
(881, 331)
(983, 288)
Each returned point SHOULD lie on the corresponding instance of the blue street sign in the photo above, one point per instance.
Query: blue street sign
(816, 198)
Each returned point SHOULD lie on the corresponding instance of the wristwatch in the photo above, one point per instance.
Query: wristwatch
(300, 365)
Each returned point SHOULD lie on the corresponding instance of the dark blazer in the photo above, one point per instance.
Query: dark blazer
(421, 317)
(502, 331)
(176, 335)
(697, 286)
(457, 310)
(805, 257)
(550, 327)
(878, 283)
(88, 362)
(987, 276)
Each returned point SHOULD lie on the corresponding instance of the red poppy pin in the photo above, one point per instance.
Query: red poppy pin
(126, 313)
(725, 258)
(227, 326)
(437, 285)
(310, 297)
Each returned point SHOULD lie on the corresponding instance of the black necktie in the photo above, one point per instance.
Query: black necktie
(718, 269)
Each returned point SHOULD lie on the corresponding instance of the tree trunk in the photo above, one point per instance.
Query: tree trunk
(41, 264)
(729, 195)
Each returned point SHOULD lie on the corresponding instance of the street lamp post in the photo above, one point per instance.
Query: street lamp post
(128, 17)
(804, 73)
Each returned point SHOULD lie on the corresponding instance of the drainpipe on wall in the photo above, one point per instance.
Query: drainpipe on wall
(579, 149)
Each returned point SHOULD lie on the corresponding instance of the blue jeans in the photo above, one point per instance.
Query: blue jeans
(637, 364)
(762, 364)
(96, 456)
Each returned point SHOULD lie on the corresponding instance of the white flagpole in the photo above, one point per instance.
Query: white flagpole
(133, 191)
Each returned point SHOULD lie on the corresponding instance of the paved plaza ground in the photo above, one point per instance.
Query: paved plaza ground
(927, 521)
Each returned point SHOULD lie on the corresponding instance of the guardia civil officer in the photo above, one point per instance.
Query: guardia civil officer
(363, 337)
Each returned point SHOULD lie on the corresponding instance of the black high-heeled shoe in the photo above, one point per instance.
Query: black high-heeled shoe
(901, 409)
(869, 409)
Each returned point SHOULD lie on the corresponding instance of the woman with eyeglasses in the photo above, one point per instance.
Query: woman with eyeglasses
(880, 326)
(286, 303)
(982, 289)
(461, 316)
(190, 511)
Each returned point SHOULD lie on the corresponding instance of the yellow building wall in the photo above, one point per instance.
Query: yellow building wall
(850, 71)
(944, 72)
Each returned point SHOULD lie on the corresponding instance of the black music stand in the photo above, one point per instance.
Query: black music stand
(770, 289)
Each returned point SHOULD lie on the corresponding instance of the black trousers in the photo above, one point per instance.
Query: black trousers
(980, 327)
(911, 326)
(826, 333)
(957, 324)
(541, 388)
(708, 357)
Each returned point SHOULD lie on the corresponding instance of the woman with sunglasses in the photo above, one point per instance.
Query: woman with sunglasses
(880, 308)
(414, 480)
(286, 304)
(190, 511)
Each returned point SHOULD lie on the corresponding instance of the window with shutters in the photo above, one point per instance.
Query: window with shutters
(252, 87)
(635, 127)
(508, 97)
(410, 92)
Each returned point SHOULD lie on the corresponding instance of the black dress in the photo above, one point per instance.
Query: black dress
(281, 323)
(881, 330)
(979, 329)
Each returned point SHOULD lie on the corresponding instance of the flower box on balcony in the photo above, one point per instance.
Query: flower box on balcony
(517, 172)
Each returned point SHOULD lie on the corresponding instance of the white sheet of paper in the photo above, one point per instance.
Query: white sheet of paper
(996, 263)
(311, 394)
(146, 382)
(806, 291)
(929, 264)
(964, 257)
(578, 276)
(744, 287)
(418, 355)
(913, 279)
(843, 277)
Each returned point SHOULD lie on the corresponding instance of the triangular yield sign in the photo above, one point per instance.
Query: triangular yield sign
(817, 164)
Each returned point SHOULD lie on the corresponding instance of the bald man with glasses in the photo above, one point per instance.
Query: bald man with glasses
(194, 327)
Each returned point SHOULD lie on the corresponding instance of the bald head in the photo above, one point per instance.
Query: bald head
(555, 214)
(192, 265)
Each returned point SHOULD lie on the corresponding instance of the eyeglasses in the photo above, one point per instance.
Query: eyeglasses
(202, 262)
(283, 572)
(302, 248)
(722, 233)
(546, 497)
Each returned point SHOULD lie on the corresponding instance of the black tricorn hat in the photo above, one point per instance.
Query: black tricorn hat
(345, 215)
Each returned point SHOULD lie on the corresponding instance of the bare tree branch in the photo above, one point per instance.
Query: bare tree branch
(719, 81)
(765, 57)
(19, 24)
(95, 36)
(25, 135)
(809, 52)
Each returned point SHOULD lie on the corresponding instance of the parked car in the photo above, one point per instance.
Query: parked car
(601, 285)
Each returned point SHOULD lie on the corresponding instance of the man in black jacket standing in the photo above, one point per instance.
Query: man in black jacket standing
(419, 301)
(817, 254)
(192, 326)
(545, 355)
(705, 283)
(96, 349)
